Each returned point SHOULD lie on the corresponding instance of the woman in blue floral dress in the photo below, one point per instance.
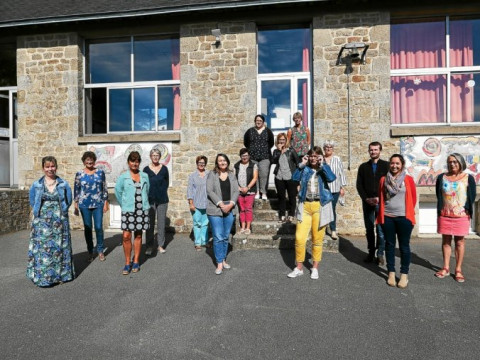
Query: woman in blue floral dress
(50, 259)
(90, 194)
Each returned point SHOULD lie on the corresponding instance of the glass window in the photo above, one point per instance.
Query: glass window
(8, 65)
(427, 87)
(148, 69)
(276, 103)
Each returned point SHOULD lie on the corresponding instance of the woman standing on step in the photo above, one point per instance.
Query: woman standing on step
(246, 171)
(222, 193)
(197, 201)
(456, 191)
(259, 140)
(314, 211)
(131, 191)
(299, 136)
(396, 215)
(286, 161)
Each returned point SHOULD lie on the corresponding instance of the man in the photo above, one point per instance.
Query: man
(368, 178)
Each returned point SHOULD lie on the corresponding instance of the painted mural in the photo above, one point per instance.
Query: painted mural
(426, 156)
(112, 158)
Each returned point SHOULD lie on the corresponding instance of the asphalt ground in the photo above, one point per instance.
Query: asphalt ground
(177, 308)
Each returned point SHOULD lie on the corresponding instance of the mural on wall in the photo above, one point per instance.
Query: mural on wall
(426, 156)
(112, 158)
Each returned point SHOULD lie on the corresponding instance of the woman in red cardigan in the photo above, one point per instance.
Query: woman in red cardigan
(397, 199)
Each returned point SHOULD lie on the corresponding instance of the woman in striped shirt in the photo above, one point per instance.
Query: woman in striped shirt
(197, 201)
(336, 187)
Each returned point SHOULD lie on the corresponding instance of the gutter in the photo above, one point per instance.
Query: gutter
(165, 11)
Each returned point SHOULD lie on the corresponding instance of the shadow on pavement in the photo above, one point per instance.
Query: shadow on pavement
(356, 256)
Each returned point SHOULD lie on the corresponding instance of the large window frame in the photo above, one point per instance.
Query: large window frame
(447, 71)
(132, 85)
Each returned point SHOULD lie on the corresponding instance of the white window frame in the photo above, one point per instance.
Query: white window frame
(448, 72)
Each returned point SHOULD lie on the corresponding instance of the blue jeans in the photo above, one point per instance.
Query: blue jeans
(97, 215)
(369, 215)
(333, 224)
(200, 226)
(221, 227)
(397, 227)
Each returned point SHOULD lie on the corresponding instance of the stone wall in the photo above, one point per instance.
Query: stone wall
(218, 102)
(369, 97)
(14, 210)
(50, 80)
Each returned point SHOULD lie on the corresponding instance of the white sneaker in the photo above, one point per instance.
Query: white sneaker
(257, 196)
(295, 273)
(314, 274)
(264, 197)
(334, 235)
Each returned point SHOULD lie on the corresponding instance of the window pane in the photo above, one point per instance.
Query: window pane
(169, 108)
(144, 109)
(417, 45)
(302, 101)
(96, 111)
(156, 59)
(276, 103)
(109, 62)
(120, 110)
(284, 50)
(418, 99)
(8, 65)
(464, 42)
(465, 98)
(4, 113)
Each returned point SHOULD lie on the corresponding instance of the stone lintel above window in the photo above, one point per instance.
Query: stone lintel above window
(398, 131)
(129, 138)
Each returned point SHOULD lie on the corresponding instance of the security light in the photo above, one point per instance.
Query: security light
(217, 33)
(352, 52)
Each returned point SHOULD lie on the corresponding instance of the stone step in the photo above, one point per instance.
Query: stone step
(283, 241)
(264, 215)
(270, 204)
(271, 228)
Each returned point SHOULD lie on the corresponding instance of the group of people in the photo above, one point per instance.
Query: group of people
(313, 179)
(389, 198)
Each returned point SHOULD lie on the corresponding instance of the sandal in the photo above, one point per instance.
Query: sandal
(135, 267)
(101, 256)
(127, 269)
(459, 277)
(198, 248)
(442, 273)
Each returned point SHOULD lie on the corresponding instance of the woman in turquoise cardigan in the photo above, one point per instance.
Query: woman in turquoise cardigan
(131, 192)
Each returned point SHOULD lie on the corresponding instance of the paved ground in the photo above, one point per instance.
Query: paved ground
(177, 308)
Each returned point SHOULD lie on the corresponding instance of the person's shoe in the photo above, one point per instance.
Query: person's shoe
(369, 258)
(459, 277)
(218, 271)
(198, 248)
(264, 197)
(290, 219)
(91, 257)
(127, 268)
(282, 220)
(391, 279)
(257, 196)
(242, 231)
(314, 274)
(135, 267)
(161, 250)
(248, 231)
(442, 273)
(402, 284)
(149, 251)
(296, 272)
(226, 266)
(101, 256)
(334, 235)
(381, 260)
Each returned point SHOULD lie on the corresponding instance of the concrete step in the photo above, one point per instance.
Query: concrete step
(264, 215)
(282, 241)
(271, 228)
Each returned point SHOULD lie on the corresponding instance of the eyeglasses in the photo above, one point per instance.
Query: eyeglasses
(328, 147)
(245, 156)
(201, 163)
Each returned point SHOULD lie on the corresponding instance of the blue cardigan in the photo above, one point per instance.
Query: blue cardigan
(125, 191)
(37, 190)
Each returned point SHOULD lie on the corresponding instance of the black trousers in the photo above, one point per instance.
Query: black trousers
(290, 187)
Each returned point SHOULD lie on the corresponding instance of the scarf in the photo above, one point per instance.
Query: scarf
(393, 185)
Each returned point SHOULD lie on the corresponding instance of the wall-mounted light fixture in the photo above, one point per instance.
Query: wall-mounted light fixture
(352, 52)
(217, 33)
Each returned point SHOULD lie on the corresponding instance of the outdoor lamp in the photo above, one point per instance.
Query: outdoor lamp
(217, 33)
(352, 52)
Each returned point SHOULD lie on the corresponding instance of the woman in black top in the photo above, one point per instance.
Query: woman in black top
(259, 140)
(158, 199)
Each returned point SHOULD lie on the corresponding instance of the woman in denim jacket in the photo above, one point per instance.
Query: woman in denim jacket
(314, 210)
(50, 259)
(131, 191)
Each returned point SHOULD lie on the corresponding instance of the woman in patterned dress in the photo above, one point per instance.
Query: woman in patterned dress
(90, 194)
(456, 191)
(299, 136)
(131, 192)
(50, 249)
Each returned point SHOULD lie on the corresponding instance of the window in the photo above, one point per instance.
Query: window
(435, 71)
(284, 75)
(132, 85)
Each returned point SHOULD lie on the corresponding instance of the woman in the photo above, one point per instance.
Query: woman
(396, 215)
(197, 200)
(336, 187)
(246, 171)
(50, 259)
(259, 140)
(222, 193)
(314, 210)
(158, 200)
(286, 161)
(131, 191)
(456, 191)
(299, 136)
(91, 200)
